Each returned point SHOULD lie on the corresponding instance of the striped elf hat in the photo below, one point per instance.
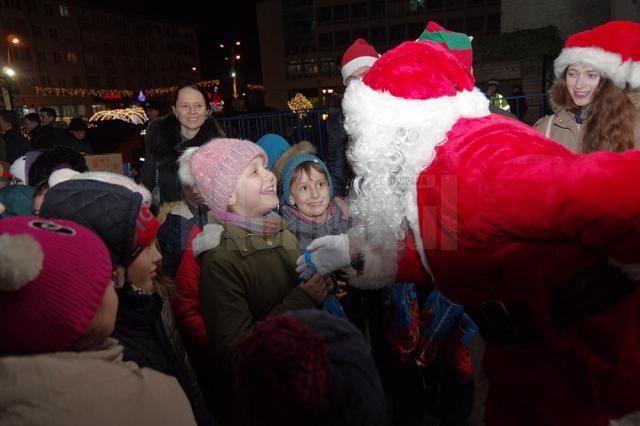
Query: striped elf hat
(458, 43)
(6, 174)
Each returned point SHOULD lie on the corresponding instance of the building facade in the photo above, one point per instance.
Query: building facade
(72, 45)
(302, 41)
(569, 16)
(305, 39)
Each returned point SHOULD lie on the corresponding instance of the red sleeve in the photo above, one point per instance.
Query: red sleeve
(546, 195)
(187, 303)
(410, 267)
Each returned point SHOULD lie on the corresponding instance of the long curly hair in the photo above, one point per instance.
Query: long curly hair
(610, 126)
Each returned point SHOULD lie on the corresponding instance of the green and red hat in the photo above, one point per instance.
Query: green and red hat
(459, 44)
(6, 174)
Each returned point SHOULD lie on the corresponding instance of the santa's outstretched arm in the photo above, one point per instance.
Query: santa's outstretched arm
(592, 198)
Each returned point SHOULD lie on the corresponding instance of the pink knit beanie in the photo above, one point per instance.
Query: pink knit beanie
(53, 276)
(216, 167)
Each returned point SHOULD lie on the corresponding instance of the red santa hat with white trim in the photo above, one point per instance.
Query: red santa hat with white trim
(416, 84)
(612, 48)
(359, 54)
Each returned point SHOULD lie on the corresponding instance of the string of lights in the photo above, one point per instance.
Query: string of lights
(77, 91)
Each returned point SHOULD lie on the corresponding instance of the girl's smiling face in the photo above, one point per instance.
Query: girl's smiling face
(582, 82)
(255, 193)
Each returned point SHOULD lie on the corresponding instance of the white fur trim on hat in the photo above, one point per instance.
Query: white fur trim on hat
(117, 179)
(388, 110)
(634, 75)
(184, 169)
(609, 64)
(18, 171)
(354, 64)
(61, 175)
(21, 260)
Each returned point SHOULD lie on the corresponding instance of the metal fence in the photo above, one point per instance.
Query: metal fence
(312, 126)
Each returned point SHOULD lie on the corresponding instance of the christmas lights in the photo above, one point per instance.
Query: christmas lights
(130, 115)
(300, 105)
(77, 91)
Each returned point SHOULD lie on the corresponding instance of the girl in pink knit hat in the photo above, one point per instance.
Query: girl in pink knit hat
(250, 272)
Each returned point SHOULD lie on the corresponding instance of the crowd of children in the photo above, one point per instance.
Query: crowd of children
(117, 308)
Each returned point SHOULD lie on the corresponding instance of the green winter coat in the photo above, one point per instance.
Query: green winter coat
(243, 280)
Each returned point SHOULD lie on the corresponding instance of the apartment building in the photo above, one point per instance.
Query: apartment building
(304, 39)
(76, 46)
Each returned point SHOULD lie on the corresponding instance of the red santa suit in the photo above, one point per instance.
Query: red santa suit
(495, 211)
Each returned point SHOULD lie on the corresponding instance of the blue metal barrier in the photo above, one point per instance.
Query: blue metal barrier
(313, 126)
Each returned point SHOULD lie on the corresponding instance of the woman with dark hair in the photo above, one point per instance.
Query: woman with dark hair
(595, 109)
(17, 145)
(190, 124)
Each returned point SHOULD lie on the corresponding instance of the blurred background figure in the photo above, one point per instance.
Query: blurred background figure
(153, 109)
(16, 144)
(495, 97)
(518, 102)
(78, 136)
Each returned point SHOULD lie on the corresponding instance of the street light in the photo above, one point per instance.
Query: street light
(233, 57)
(12, 41)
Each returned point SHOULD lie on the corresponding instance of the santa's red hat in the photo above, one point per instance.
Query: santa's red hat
(359, 54)
(611, 48)
(404, 106)
(416, 84)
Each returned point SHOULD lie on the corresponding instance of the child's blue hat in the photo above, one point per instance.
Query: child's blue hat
(274, 146)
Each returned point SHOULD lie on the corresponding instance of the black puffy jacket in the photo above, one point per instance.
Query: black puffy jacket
(163, 146)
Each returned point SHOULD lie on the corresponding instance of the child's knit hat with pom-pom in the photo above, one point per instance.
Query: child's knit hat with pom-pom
(53, 276)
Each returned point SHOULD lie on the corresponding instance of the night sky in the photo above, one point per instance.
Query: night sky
(215, 22)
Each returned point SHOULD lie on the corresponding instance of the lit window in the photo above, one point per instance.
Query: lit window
(64, 10)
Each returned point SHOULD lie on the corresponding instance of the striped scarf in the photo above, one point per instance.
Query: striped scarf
(267, 225)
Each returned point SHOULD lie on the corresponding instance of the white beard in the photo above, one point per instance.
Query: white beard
(387, 163)
(392, 140)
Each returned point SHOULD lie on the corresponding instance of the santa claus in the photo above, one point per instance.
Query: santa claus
(504, 221)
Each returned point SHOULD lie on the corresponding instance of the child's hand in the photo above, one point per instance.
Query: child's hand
(340, 279)
(340, 289)
(318, 287)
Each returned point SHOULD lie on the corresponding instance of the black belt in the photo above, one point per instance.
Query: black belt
(511, 324)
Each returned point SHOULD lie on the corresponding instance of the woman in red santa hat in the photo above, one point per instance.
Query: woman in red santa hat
(506, 222)
(594, 101)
